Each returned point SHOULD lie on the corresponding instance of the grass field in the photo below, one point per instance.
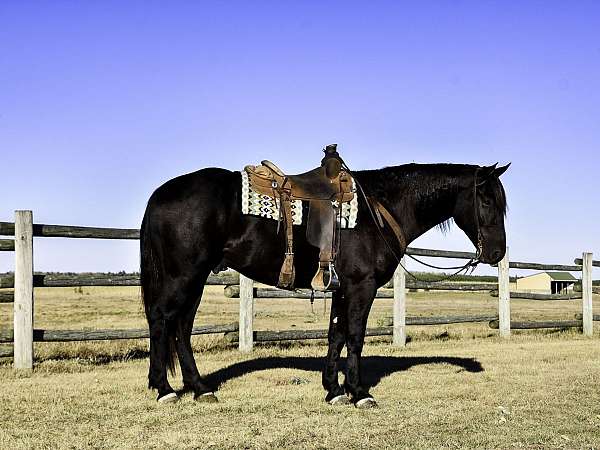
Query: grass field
(454, 386)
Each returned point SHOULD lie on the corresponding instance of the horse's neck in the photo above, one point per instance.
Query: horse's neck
(418, 204)
(417, 217)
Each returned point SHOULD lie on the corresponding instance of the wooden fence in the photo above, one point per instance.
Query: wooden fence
(24, 280)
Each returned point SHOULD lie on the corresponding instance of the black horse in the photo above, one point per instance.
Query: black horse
(193, 224)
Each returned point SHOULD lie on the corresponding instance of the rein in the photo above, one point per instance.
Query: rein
(476, 214)
(471, 264)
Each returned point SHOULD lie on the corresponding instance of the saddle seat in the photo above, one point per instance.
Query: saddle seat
(319, 187)
(315, 184)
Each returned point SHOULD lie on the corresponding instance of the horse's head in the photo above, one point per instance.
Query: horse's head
(480, 211)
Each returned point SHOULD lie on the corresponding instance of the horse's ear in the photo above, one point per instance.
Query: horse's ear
(484, 173)
(500, 170)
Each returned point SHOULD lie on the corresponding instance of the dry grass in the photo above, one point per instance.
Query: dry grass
(537, 390)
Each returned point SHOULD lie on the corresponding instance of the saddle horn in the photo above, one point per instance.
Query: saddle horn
(331, 161)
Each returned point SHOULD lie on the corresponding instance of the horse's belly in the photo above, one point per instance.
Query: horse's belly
(258, 253)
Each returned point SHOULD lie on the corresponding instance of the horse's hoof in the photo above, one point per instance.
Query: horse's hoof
(340, 400)
(207, 397)
(169, 398)
(366, 403)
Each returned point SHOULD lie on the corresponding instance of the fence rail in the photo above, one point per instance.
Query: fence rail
(537, 266)
(233, 291)
(7, 245)
(413, 251)
(595, 317)
(543, 297)
(108, 334)
(290, 335)
(296, 335)
(68, 280)
(23, 230)
(533, 325)
(580, 261)
(69, 231)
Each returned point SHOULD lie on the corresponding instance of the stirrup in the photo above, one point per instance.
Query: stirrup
(326, 279)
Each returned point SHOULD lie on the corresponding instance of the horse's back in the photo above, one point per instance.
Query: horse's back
(194, 187)
(190, 210)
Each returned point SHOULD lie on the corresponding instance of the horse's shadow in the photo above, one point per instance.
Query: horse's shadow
(374, 367)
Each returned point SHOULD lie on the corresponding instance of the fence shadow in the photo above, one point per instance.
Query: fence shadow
(374, 367)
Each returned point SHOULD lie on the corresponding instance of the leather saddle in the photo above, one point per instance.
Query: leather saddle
(324, 188)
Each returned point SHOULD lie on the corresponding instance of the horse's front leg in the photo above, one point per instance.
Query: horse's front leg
(359, 298)
(337, 338)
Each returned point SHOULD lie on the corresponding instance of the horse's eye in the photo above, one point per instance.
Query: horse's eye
(485, 202)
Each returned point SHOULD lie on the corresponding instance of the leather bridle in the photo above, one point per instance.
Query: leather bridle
(479, 246)
(472, 263)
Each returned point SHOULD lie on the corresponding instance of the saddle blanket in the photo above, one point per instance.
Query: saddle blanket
(256, 204)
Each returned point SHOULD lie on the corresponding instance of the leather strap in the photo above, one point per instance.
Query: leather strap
(287, 273)
(381, 210)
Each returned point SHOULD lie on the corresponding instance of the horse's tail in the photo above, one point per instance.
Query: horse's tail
(151, 282)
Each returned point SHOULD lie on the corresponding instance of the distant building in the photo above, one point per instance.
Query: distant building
(547, 283)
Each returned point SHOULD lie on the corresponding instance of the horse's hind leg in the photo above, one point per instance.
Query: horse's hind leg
(178, 298)
(160, 358)
(192, 381)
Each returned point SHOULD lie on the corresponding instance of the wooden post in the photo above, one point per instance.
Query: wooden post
(23, 300)
(504, 296)
(586, 288)
(399, 338)
(246, 314)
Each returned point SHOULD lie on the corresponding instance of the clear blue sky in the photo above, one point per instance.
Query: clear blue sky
(101, 102)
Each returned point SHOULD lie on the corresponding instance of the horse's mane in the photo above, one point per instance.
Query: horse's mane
(426, 183)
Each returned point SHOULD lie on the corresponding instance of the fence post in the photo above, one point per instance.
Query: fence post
(504, 296)
(246, 314)
(586, 288)
(399, 339)
(23, 297)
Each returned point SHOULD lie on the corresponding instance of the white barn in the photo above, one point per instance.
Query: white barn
(547, 283)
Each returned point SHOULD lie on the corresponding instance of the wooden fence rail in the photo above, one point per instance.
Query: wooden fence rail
(543, 297)
(291, 335)
(108, 334)
(23, 230)
(68, 231)
(595, 317)
(67, 280)
(7, 245)
(296, 335)
(537, 266)
(580, 262)
(413, 251)
(595, 289)
(233, 291)
(533, 325)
